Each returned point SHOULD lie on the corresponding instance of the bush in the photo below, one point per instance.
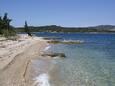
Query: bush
(5, 28)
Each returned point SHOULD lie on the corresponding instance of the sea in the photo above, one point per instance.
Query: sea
(91, 63)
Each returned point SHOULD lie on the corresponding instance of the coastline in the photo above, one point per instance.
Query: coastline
(16, 59)
(35, 67)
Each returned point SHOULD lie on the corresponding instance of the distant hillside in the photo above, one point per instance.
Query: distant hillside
(104, 27)
(54, 28)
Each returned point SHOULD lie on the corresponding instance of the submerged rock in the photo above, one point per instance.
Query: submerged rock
(52, 38)
(61, 55)
(66, 42)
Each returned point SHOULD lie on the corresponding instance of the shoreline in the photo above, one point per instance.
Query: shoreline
(16, 59)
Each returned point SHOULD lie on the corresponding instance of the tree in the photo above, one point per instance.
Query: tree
(6, 23)
(5, 27)
(0, 25)
(27, 29)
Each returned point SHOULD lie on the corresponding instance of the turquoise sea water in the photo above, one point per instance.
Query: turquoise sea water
(89, 64)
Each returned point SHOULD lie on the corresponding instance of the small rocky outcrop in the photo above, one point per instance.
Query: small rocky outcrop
(52, 38)
(65, 42)
(53, 55)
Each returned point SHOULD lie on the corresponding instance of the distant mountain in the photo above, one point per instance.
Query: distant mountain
(104, 27)
(54, 28)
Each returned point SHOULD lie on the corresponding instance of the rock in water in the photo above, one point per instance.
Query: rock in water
(61, 55)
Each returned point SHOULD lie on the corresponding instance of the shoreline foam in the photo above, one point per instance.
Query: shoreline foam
(42, 80)
(47, 48)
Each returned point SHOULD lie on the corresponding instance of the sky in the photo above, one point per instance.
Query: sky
(68, 13)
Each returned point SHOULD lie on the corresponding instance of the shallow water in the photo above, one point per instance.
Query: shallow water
(88, 64)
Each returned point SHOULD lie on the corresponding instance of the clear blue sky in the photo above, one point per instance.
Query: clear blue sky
(72, 13)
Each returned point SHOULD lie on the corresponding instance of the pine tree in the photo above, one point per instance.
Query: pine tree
(5, 28)
(0, 25)
(27, 29)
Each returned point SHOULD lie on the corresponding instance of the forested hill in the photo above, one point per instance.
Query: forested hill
(54, 28)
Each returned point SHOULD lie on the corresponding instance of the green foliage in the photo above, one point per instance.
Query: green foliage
(5, 28)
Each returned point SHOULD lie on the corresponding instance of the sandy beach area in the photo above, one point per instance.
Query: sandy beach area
(16, 57)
